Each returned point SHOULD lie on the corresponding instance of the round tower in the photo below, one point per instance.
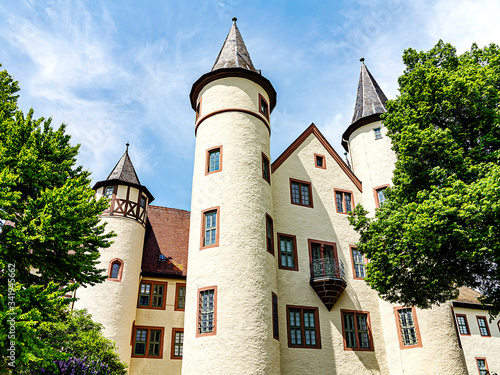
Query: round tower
(232, 268)
(113, 302)
(366, 140)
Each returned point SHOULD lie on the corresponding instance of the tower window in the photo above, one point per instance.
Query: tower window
(409, 334)
(269, 234)
(378, 133)
(214, 160)
(303, 327)
(108, 191)
(207, 311)
(343, 201)
(276, 332)
(263, 107)
(356, 330)
(484, 330)
(177, 343)
(319, 161)
(482, 366)
(143, 201)
(180, 297)
(266, 172)
(358, 263)
(379, 193)
(115, 270)
(463, 326)
(288, 252)
(210, 234)
(148, 342)
(301, 193)
(198, 109)
(152, 295)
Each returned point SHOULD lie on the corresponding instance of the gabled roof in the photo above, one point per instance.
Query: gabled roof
(370, 103)
(234, 53)
(167, 233)
(124, 170)
(312, 129)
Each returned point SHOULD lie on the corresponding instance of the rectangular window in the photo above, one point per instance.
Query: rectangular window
(319, 161)
(356, 330)
(198, 109)
(343, 201)
(177, 343)
(214, 160)
(108, 191)
(301, 193)
(378, 133)
(303, 327)
(143, 201)
(324, 261)
(180, 297)
(210, 235)
(482, 366)
(152, 294)
(409, 335)
(288, 252)
(379, 193)
(276, 331)
(358, 263)
(207, 311)
(484, 329)
(147, 342)
(463, 325)
(266, 171)
(263, 107)
(269, 234)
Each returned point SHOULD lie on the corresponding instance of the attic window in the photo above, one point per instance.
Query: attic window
(263, 106)
(378, 133)
(108, 191)
(162, 258)
(319, 161)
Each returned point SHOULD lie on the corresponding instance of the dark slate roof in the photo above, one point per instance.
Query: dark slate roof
(233, 53)
(167, 233)
(370, 99)
(124, 170)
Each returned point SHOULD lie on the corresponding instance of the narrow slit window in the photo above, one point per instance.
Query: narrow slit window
(269, 234)
(266, 171)
(263, 107)
(378, 133)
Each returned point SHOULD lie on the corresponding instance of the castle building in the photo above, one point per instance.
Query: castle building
(275, 282)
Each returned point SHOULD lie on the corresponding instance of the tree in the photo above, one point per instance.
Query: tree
(439, 228)
(50, 234)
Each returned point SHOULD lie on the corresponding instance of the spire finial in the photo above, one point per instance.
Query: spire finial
(235, 19)
(127, 144)
(362, 60)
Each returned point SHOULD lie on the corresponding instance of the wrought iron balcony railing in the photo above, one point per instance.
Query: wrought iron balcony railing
(327, 268)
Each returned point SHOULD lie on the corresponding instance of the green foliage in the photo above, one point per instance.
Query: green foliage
(440, 226)
(50, 241)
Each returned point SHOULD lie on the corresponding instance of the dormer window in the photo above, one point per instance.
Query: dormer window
(263, 107)
(162, 258)
(108, 191)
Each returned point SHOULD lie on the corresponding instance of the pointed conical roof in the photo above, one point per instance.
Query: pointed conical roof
(370, 99)
(234, 53)
(124, 170)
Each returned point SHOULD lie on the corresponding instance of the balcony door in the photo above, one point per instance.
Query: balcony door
(324, 261)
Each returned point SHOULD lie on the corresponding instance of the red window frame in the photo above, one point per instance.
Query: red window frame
(294, 244)
(486, 325)
(369, 330)
(217, 229)
(261, 101)
(198, 320)
(207, 160)
(274, 308)
(375, 193)
(120, 270)
(317, 327)
(485, 364)
(351, 248)
(400, 332)
(177, 287)
(316, 156)
(150, 305)
(172, 346)
(148, 328)
(270, 241)
(265, 162)
(466, 324)
(309, 191)
(344, 206)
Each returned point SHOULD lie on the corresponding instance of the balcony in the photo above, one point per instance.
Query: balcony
(328, 280)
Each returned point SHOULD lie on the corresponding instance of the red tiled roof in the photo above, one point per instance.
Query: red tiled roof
(167, 233)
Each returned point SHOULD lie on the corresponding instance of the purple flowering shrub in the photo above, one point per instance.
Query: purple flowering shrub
(78, 366)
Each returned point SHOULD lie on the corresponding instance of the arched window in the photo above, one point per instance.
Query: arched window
(115, 270)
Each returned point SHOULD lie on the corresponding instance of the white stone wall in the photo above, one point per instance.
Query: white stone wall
(241, 268)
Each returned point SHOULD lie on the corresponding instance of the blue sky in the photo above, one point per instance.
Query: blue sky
(118, 71)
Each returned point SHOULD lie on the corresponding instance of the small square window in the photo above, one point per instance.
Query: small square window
(147, 342)
(180, 297)
(303, 327)
(210, 235)
(288, 252)
(263, 107)
(301, 193)
(177, 343)
(343, 201)
(207, 311)
(378, 133)
(484, 329)
(358, 263)
(408, 331)
(266, 171)
(108, 191)
(152, 295)
(319, 161)
(356, 330)
(214, 160)
(463, 325)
